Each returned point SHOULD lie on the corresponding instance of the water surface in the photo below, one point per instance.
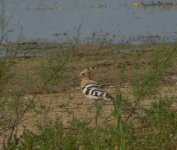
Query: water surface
(91, 20)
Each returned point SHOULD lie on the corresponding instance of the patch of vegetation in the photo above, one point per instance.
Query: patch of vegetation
(135, 126)
(156, 130)
(58, 65)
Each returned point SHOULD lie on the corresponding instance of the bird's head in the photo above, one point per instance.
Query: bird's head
(85, 74)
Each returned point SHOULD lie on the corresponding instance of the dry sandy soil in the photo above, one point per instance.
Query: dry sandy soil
(65, 99)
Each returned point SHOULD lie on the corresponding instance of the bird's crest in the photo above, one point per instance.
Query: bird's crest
(85, 74)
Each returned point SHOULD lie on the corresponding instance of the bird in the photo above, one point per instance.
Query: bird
(90, 88)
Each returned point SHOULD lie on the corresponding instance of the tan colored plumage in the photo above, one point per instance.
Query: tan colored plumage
(85, 77)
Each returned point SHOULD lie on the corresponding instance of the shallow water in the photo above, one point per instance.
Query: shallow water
(117, 21)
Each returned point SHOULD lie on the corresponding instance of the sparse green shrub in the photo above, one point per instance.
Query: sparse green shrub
(3, 69)
(146, 84)
(49, 137)
(162, 116)
(156, 128)
(136, 126)
(57, 65)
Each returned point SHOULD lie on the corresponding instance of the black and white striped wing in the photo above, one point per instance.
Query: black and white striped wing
(93, 86)
(95, 91)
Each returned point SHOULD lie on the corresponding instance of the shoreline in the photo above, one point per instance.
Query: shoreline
(39, 49)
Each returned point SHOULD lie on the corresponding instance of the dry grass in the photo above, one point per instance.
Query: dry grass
(64, 98)
(109, 58)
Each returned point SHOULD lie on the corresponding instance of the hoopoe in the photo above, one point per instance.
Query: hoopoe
(91, 89)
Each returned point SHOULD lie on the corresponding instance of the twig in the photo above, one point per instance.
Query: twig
(19, 120)
(158, 67)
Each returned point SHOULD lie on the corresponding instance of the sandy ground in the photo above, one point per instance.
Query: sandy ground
(74, 104)
(66, 101)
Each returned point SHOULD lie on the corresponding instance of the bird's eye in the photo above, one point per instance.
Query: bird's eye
(83, 74)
